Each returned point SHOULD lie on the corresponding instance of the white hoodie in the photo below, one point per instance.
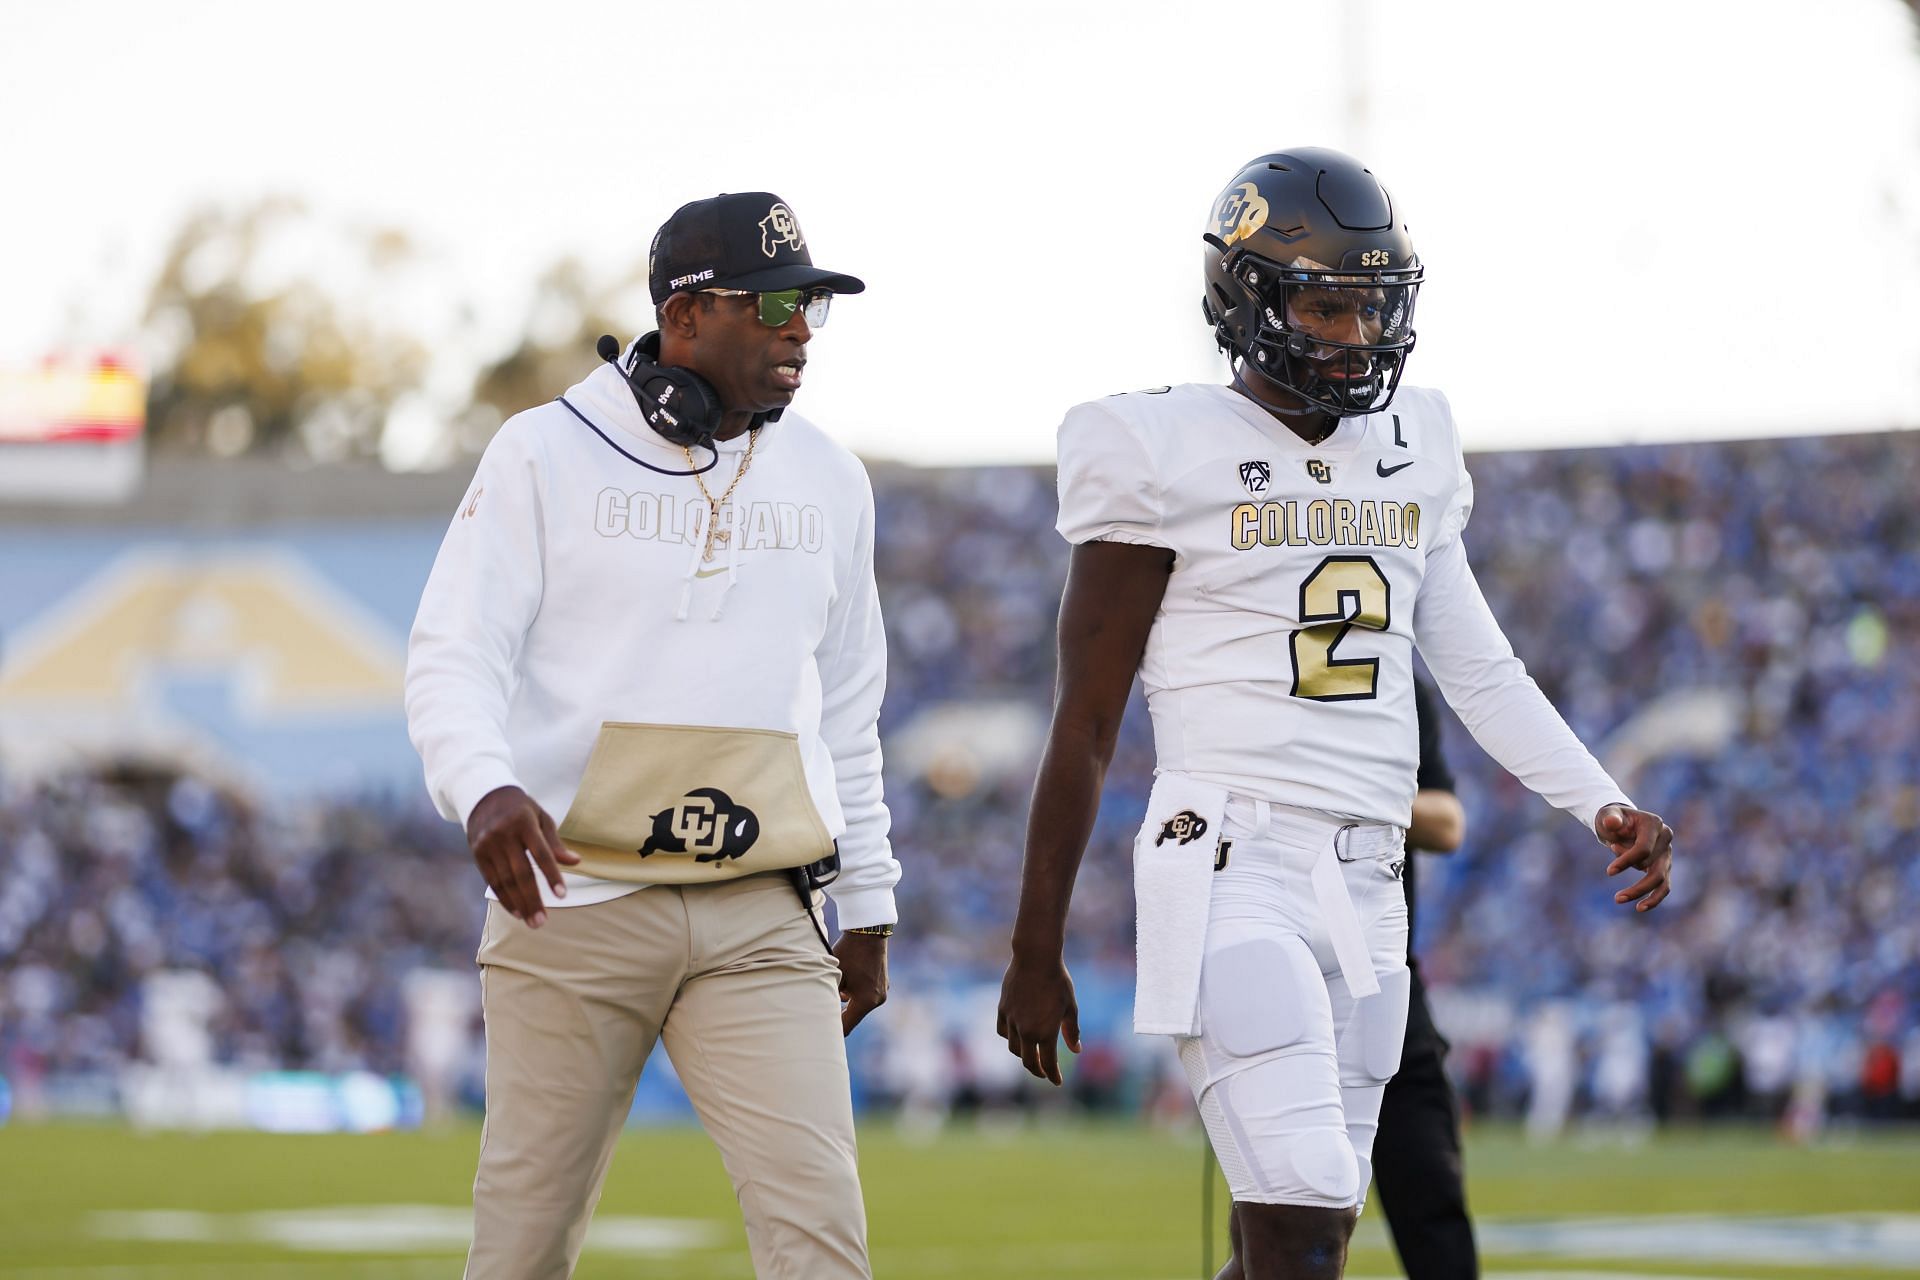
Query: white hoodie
(571, 590)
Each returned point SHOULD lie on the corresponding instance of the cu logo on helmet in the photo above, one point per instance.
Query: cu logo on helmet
(707, 823)
(779, 228)
(1242, 211)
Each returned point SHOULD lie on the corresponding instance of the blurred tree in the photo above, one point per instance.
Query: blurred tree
(567, 316)
(253, 353)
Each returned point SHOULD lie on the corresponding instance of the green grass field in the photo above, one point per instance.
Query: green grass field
(103, 1203)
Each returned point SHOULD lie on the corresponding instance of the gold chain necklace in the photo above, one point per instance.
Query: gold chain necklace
(714, 532)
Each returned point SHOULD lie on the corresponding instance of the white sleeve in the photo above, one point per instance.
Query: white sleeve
(1490, 690)
(1108, 489)
(479, 601)
(1453, 521)
(852, 658)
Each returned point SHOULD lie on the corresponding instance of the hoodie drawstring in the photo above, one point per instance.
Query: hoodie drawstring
(737, 534)
(696, 539)
(698, 535)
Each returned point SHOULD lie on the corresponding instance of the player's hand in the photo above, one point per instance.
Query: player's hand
(1036, 1008)
(510, 836)
(1639, 841)
(863, 977)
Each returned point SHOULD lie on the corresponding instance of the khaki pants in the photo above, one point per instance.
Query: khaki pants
(736, 980)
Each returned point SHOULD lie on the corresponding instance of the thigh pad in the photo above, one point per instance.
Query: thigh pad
(1263, 996)
(1375, 1032)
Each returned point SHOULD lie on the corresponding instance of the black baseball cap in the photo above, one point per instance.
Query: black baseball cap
(745, 240)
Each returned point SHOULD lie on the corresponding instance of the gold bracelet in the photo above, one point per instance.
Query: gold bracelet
(872, 931)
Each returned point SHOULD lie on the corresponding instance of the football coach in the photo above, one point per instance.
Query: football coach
(646, 676)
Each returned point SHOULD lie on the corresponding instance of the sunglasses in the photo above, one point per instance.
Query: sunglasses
(778, 307)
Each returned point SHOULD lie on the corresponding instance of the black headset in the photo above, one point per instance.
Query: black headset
(681, 406)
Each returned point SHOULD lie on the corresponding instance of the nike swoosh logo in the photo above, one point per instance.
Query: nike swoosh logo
(708, 573)
(1382, 470)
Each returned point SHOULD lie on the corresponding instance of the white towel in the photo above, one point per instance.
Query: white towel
(1173, 860)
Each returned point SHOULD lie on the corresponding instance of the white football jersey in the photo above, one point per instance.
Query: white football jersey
(1280, 664)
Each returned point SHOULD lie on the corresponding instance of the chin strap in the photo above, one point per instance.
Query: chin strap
(1308, 412)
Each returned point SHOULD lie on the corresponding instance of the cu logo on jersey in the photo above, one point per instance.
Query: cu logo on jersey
(779, 228)
(1183, 827)
(707, 824)
(1242, 211)
(1256, 476)
(1319, 470)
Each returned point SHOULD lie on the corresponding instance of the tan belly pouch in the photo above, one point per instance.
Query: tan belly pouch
(687, 804)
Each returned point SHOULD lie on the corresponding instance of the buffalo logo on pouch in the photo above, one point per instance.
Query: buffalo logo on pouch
(1183, 827)
(707, 824)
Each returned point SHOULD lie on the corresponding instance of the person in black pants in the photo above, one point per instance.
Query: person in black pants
(1416, 1154)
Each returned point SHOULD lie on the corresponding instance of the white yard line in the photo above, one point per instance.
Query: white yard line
(396, 1228)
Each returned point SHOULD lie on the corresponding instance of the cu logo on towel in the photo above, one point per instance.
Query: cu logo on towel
(1183, 827)
(707, 824)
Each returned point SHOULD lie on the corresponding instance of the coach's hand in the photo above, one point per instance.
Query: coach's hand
(863, 977)
(1639, 841)
(510, 835)
(1036, 1008)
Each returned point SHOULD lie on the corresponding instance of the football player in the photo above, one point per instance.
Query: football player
(1265, 555)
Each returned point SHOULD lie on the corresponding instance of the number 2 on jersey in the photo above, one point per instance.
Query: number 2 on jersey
(1344, 592)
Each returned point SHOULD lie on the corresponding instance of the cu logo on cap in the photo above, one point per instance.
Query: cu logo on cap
(779, 228)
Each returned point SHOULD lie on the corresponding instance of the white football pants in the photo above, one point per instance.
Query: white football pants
(1290, 1065)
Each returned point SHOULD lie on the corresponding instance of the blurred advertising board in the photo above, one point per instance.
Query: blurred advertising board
(71, 429)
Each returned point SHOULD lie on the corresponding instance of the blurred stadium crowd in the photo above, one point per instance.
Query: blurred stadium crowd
(1732, 625)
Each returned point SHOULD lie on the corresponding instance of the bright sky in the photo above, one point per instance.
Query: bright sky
(1641, 220)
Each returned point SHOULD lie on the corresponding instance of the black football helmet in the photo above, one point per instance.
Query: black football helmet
(1311, 279)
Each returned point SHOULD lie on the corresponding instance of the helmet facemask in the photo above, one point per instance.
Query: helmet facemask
(1337, 338)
